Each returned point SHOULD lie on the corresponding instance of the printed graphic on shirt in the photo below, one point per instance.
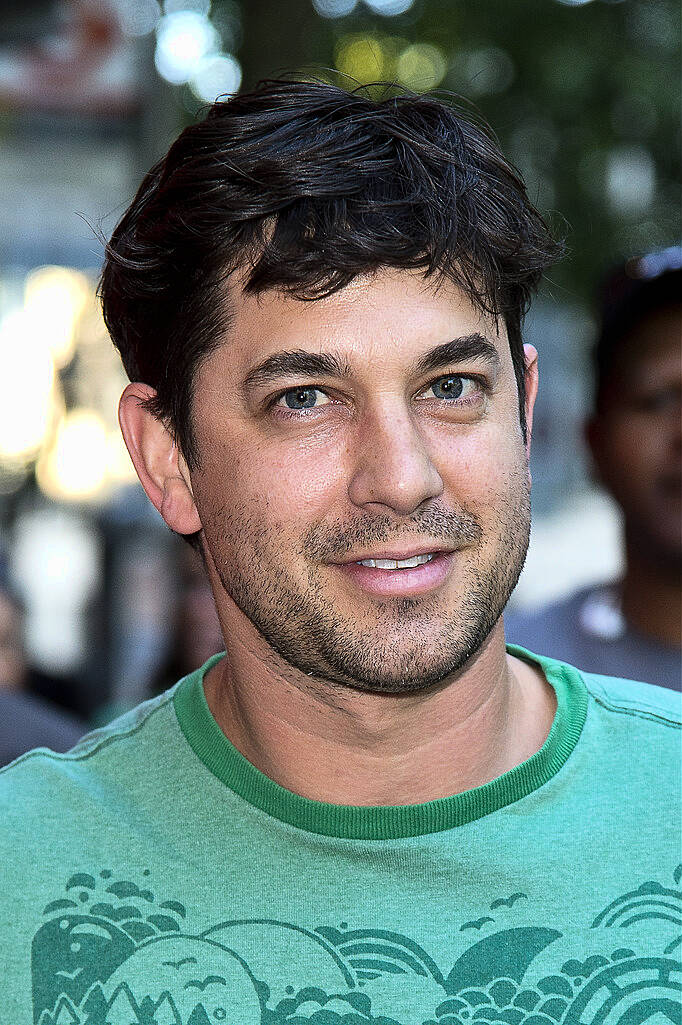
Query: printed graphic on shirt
(109, 952)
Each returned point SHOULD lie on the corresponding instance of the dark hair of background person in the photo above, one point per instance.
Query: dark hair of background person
(305, 186)
(629, 295)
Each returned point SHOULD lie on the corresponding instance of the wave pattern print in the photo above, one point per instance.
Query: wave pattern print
(650, 901)
(373, 952)
(109, 953)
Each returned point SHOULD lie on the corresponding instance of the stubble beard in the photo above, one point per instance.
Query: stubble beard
(391, 646)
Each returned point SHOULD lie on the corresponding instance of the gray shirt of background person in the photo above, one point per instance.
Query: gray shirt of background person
(27, 722)
(589, 630)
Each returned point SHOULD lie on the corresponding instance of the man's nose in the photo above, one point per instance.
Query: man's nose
(393, 467)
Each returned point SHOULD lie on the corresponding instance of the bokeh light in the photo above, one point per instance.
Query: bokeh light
(202, 7)
(216, 75)
(334, 8)
(27, 387)
(421, 67)
(74, 466)
(630, 179)
(389, 8)
(56, 562)
(54, 300)
(363, 58)
(183, 38)
(653, 264)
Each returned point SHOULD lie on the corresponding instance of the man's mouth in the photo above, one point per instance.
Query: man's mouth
(409, 563)
(406, 576)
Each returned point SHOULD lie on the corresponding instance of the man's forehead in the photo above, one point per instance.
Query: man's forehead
(364, 292)
(392, 315)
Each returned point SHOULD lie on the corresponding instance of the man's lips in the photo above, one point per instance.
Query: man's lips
(397, 555)
(394, 583)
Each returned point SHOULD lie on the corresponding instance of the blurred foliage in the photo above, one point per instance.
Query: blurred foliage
(584, 98)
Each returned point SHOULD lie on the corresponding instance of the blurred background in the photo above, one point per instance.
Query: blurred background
(583, 96)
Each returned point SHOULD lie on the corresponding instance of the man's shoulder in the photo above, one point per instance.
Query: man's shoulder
(627, 748)
(117, 751)
(619, 699)
(632, 741)
(634, 698)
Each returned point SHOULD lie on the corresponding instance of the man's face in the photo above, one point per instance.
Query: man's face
(637, 437)
(380, 423)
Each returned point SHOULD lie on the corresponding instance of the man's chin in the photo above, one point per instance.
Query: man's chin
(393, 668)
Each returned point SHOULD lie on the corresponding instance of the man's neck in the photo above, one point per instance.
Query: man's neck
(651, 595)
(343, 746)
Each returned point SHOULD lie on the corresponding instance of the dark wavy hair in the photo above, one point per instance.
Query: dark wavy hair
(304, 186)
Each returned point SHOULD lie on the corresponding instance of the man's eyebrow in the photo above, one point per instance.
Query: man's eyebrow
(298, 362)
(460, 350)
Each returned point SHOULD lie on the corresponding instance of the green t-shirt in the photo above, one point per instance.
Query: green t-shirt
(153, 876)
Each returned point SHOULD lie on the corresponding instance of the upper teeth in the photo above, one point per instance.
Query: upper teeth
(416, 560)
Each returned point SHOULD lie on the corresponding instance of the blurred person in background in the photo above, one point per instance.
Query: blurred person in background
(318, 297)
(26, 719)
(631, 627)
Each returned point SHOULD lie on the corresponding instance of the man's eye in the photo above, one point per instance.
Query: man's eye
(302, 398)
(452, 386)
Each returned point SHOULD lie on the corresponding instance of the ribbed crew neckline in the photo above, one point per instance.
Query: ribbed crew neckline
(384, 822)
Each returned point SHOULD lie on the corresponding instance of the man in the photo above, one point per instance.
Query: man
(366, 810)
(632, 627)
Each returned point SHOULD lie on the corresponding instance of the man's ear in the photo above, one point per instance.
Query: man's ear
(157, 459)
(531, 381)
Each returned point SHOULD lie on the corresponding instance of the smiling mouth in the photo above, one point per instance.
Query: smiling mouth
(407, 577)
(399, 564)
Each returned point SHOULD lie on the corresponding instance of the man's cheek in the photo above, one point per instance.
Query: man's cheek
(482, 475)
(306, 482)
(287, 496)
